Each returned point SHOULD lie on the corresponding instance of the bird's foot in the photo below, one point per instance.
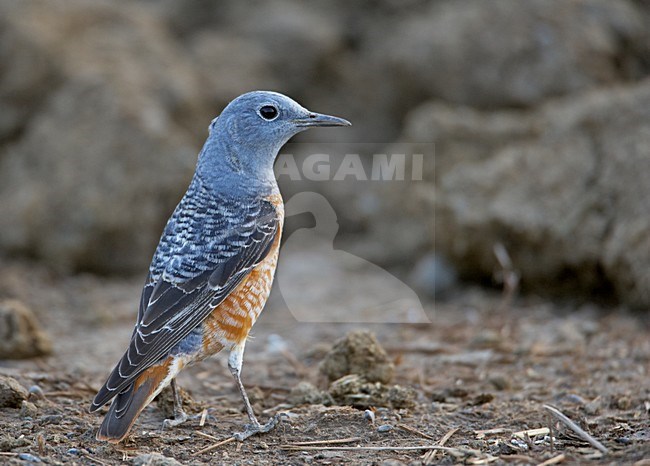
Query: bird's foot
(179, 418)
(256, 428)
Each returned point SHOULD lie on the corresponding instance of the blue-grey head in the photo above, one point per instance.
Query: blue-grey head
(246, 138)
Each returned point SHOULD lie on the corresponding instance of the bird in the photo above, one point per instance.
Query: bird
(212, 270)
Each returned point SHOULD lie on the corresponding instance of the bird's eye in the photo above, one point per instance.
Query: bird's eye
(268, 112)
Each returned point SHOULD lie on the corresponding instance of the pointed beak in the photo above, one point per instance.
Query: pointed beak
(318, 119)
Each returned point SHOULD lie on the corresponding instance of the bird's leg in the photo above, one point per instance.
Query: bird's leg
(235, 364)
(179, 415)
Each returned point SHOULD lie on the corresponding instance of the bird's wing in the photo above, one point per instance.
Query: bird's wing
(203, 255)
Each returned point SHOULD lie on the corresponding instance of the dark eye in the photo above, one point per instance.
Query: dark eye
(268, 112)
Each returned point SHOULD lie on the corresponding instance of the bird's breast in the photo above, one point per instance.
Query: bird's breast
(231, 321)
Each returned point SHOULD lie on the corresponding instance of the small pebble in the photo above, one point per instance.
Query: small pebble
(384, 428)
(576, 399)
(500, 382)
(73, 451)
(36, 393)
(623, 403)
(276, 344)
(369, 415)
(12, 393)
(29, 457)
(51, 419)
(28, 410)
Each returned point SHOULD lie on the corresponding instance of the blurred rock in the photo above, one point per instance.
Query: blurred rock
(354, 390)
(97, 170)
(564, 190)
(433, 275)
(514, 53)
(306, 394)
(105, 106)
(165, 401)
(28, 409)
(358, 353)
(8, 442)
(12, 394)
(27, 75)
(21, 336)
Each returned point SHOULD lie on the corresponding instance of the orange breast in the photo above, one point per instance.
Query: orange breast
(231, 321)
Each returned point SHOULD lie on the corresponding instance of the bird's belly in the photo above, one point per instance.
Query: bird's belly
(231, 321)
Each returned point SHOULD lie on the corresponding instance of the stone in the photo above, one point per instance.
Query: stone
(154, 459)
(358, 353)
(354, 390)
(21, 335)
(512, 53)
(105, 157)
(306, 394)
(12, 393)
(567, 201)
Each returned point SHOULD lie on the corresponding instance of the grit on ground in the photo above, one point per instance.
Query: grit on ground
(469, 387)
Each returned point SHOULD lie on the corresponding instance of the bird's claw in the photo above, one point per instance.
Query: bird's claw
(257, 428)
(179, 418)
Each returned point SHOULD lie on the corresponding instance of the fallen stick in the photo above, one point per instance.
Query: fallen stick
(531, 433)
(555, 460)
(430, 456)
(559, 415)
(203, 434)
(413, 430)
(214, 446)
(325, 442)
(465, 451)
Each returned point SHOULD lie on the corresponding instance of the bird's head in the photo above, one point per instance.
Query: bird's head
(253, 127)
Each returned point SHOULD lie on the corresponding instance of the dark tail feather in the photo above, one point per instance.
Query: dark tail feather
(125, 409)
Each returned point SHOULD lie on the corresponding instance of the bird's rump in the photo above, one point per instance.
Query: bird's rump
(186, 284)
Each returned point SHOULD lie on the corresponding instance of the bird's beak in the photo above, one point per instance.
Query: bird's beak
(318, 119)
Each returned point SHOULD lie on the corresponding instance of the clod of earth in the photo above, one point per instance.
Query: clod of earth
(21, 335)
(154, 459)
(306, 394)
(12, 394)
(354, 390)
(359, 353)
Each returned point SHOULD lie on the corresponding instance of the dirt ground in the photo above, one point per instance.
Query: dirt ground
(482, 374)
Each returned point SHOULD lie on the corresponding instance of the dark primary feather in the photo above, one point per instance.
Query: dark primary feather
(210, 244)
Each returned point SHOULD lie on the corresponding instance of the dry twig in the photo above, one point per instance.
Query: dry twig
(204, 416)
(508, 275)
(559, 415)
(96, 460)
(480, 434)
(413, 430)
(411, 448)
(214, 446)
(555, 460)
(430, 456)
(325, 442)
(517, 458)
(203, 434)
(531, 433)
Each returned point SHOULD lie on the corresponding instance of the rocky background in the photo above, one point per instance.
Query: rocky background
(539, 111)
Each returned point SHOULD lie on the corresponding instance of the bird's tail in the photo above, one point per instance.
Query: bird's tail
(129, 403)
